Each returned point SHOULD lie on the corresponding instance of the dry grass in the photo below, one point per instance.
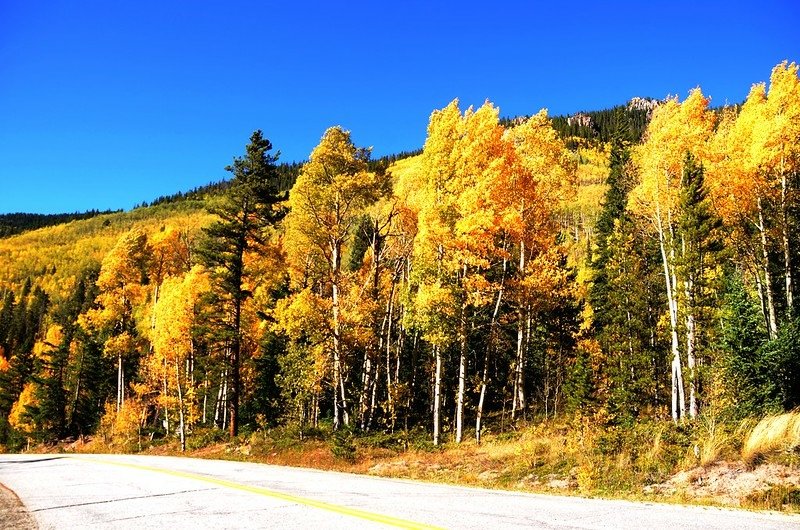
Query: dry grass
(715, 440)
(772, 434)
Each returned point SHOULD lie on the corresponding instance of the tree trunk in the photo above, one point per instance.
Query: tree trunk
(678, 403)
(205, 398)
(235, 376)
(518, 400)
(164, 389)
(787, 258)
(74, 404)
(437, 394)
(340, 402)
(691, 336)
(462, 375)
(181, 424)
(390, 385)
(489, 349)
(120, 383)
(761, 299)
(366, 385)
(773, 320)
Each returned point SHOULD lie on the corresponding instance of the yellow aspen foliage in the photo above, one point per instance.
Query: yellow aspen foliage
(304, 319)
(170, 253)
(53, 338)
(776, 134)
(120, 280)
(120, 345)
(735, 179)
(545, 159)
(18, 417)
(175, 314)
(675, 130)
(121, 430)
(327, 201)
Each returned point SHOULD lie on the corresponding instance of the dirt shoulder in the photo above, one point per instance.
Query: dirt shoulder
(13, 513)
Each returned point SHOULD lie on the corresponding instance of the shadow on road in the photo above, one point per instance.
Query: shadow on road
(31, 461)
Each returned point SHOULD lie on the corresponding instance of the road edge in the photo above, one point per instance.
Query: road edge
(14, 513)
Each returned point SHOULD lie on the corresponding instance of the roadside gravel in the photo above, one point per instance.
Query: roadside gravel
(13, 514)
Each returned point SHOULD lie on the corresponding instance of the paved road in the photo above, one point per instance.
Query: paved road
(139, 492)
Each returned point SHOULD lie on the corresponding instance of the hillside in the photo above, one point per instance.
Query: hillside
(55, 256)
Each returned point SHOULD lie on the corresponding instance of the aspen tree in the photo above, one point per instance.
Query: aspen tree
(675, 130)
(330, 194)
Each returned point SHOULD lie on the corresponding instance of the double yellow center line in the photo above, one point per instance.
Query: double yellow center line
(264, 492)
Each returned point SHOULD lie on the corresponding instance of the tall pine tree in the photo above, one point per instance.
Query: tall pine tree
(249, 205)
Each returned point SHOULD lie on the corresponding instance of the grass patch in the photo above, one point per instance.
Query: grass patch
(779, 498)
(773, 434)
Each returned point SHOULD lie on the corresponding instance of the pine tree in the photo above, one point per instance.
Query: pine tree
(249, 206)
(700, 246)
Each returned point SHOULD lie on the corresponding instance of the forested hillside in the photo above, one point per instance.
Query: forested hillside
(16, 223)
(630, 264)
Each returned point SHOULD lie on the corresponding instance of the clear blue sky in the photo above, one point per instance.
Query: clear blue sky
(105, 104)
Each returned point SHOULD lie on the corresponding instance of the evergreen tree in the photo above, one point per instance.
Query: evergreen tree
(249, 205)
(613, 211)
(748, 382)
(624, 295)
(701, 244)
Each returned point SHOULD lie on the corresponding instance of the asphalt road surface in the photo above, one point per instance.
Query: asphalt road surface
(140, 492)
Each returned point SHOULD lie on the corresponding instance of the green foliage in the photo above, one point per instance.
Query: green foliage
(760, 375)
(343, 444)
(604, 125)
(205, 437)
(16, 223)
(625, 299)
(579, 387)
(746, 369)
(782, 360)
(266, 402)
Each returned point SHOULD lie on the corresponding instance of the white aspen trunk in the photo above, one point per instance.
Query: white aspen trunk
(181, 423)
(462, 374)
(219, 404)
(373, 399)
(205, 398)
(164, 390)
(482, 399)
(485, 374)
(366, 374)
(120, 384)
(390, 390)
(437, 394)
(518, 401)
(315, 409)
(678, 404)
(225, 401)
(690, 350)
(762, 302)
(786, 248)
(74, 403)
(773, 321)
(340, 402)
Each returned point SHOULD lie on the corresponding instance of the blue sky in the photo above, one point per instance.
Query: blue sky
(108, 104)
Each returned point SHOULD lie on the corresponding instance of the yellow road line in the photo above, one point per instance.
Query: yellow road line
(344, 510)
